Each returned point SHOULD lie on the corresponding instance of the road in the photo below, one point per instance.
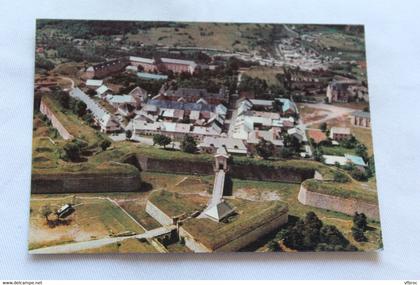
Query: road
(334, 112)
(78, 246)
(69, 79)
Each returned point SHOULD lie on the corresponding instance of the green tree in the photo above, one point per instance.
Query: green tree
(64, 99)
(358, 174)
(72, 151)
(340, 177)
(265, 148)
(358, 235)
(360, 221)
(332, 236)
(161, 140)
(273, 246)
(128, 134)
(311, 234)
(43, 63)
(359, 227)
(291, 142)
(323, 127)
(318, 154)
(282, 234)
(105, 144)
(349, 143)
(286, 152)
(80, 108)
(361, 150)
(88, 118)
(371, 166)
(188, 144)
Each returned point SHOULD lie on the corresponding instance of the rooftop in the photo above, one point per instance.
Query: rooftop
(94, 82)
(178, 61)
(151, 76)
(102, 89)
(232, 145)
(339, 130)
(142, 59)
(181, 105)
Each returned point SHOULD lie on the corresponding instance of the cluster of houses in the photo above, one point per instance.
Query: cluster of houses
(183, 111)
(265, 119)
(176, 112)
(195, 112)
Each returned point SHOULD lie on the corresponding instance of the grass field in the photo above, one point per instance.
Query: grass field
(125, 246)
(207, 35)
(94, 218)
(337, 150)
(179, 183)
(266, 73)
(176, 204)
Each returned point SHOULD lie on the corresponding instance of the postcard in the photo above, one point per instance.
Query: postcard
(185, 137)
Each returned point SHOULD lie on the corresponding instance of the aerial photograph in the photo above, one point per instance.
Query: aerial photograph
(190, 137)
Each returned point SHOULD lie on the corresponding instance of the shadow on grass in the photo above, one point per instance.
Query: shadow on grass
(145, 187)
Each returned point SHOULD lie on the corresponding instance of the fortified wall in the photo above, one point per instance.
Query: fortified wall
(338, 204)
(240, 171)
(173, 166)
(54, 121)
(84, 183)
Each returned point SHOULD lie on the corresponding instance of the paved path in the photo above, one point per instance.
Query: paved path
(78, 246)
(69, 79)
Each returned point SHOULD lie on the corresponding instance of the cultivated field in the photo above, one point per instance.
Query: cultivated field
(216, 35)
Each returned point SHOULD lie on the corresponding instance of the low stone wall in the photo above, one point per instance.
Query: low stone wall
(158, 214)
(54, 121)
(338, 204)
(195, 245)
(84, 183)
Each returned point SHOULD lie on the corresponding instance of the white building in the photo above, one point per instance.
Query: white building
(106, 121)
(94, 83)
(232, 146)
